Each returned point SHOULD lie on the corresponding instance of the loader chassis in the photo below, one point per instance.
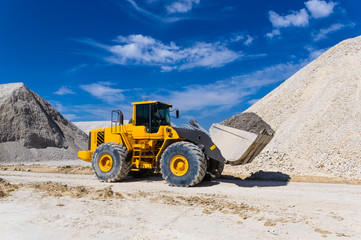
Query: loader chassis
(139, 147)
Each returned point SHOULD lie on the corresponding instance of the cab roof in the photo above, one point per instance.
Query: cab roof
(147, 102)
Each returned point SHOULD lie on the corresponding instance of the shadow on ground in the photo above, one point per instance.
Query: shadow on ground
(259, 179)
(157, 177)
(207, 183)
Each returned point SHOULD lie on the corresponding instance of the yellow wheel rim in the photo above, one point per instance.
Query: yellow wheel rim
(105, 162)
(179, 165)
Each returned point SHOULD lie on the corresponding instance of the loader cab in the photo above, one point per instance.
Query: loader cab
(151, 114)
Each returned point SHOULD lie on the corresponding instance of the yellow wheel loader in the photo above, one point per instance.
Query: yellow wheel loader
(149, 143)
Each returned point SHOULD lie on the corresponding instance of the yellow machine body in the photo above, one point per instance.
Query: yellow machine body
(144, 146)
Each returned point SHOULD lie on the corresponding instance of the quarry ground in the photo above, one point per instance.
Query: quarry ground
(64, 201)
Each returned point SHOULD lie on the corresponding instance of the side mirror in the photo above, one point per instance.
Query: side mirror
(177, 113)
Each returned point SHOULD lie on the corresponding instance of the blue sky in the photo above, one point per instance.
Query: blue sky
(209, 58)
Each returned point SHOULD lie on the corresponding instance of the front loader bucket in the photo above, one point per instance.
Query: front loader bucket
(238, 147)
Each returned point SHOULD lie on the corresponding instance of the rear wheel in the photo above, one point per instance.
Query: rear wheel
(214, 169)
(183, 164)
(110, 162)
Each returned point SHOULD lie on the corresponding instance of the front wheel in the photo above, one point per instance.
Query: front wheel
(110, 162)
(183, 164)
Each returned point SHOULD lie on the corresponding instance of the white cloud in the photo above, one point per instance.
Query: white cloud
(141, 10)
(167, 68)
(210, 55)
(150, 14)
(317, 9)
(181, 6)
(269, 75)
(103, 91)
(246, 39)
(57, 105)
(237, 38)
(315, 53)
(249, 40)
(91, 112)
(76, 68)
(320, 8)
(64, 90)
(222, 95)
(200, 97)
(70, 117)
(295, 18)
(275, 32)
(324, 32)
(253, 101)
(144, 50)
(99, 112)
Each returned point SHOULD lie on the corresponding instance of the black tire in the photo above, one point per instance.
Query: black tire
(143, 173)
(120, 167)
(214, 170)
(219, 169)
(196, 161)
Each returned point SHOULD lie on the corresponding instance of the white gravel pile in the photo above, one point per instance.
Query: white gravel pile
(316, 114)
(31, 129)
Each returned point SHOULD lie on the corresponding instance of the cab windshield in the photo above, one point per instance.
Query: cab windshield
(160, 116)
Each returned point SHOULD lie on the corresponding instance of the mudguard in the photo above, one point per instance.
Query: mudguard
(203, 141)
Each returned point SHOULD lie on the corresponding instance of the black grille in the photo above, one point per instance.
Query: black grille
(100, 138)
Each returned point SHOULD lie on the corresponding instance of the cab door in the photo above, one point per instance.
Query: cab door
(141, 114)
(159, 115)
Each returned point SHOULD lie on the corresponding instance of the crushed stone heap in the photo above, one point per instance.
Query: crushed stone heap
(249, 122)
(31, 129)
(317, 116)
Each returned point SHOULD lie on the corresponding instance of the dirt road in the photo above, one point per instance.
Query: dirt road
(64, 206)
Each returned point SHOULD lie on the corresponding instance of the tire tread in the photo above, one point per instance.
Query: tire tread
(125, 165)
(201, 161)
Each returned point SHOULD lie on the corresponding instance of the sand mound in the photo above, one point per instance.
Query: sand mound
(6, 188)
(248, 121)
(317, 116)
(60, 190)
(31, 129)
(43, 168)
